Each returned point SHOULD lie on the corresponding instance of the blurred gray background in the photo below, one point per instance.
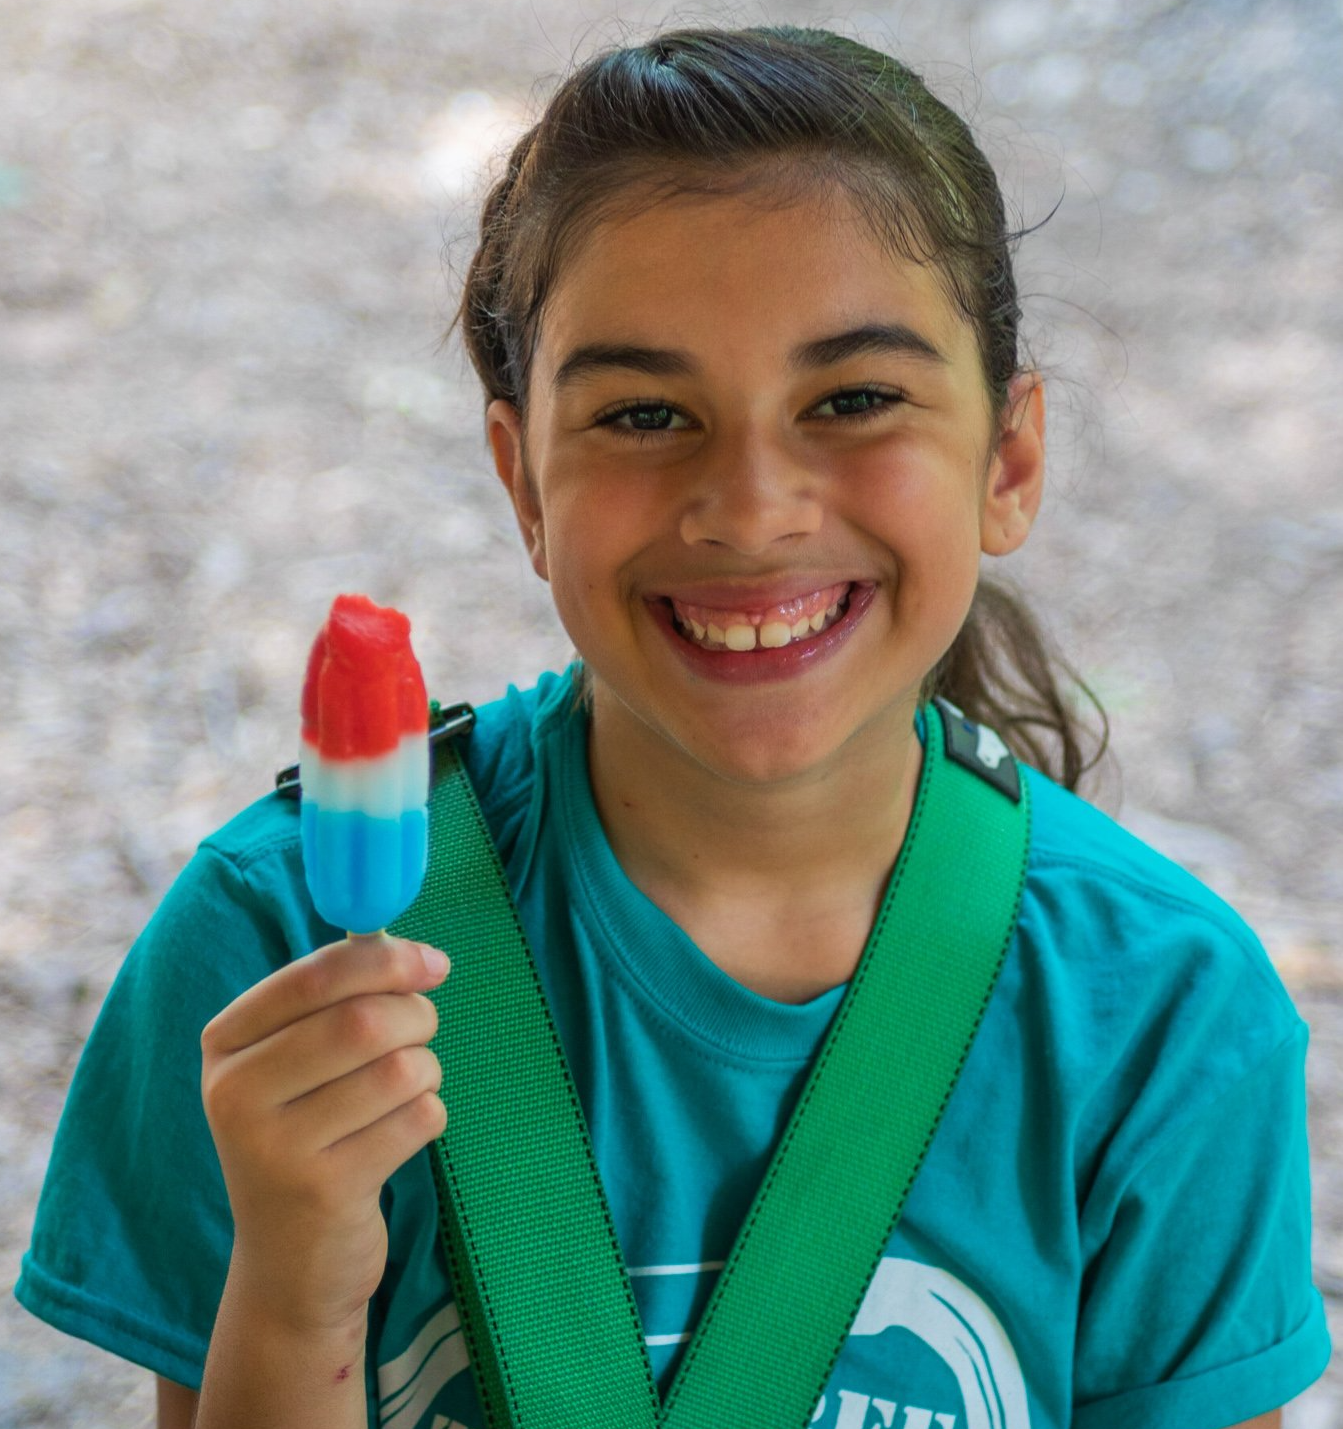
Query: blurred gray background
(230, 237)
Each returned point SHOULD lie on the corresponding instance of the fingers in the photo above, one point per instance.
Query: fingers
(366, 1158)
(335, 1041)
(317, 1085)
(333, 974)
(348, 1017)
(406, 1080)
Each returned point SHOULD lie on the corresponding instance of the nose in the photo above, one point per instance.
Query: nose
(749, 495)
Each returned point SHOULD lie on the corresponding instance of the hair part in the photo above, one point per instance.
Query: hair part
(773, 114)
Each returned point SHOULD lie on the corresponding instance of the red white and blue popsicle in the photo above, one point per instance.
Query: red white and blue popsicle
(364, 767)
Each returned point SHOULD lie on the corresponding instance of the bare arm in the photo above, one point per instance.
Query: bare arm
(267, 1376)
(261, 1376)
(176, 1405)
(316, 1085)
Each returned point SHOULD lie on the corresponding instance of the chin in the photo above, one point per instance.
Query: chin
(765, 753)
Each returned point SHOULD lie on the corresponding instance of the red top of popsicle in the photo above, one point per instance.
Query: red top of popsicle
(363, 689)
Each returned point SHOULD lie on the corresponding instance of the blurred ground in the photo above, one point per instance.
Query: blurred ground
(221, 229)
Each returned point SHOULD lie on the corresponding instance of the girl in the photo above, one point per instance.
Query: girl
(746, 321)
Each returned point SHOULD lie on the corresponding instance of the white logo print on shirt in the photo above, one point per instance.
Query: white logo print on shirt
(931, 1304)
(959, 1328)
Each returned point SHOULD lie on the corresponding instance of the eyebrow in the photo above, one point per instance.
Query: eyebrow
(594, 357)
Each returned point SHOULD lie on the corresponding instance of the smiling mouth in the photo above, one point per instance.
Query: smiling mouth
(793, 623)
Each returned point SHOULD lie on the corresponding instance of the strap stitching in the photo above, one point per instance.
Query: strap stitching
(952, 1084)
(662, 1413)
(456, 774)
(842, 1016)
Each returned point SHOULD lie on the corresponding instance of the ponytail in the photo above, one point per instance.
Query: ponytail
(1003, 671)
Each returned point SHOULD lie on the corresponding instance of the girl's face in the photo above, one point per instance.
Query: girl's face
(738, 420)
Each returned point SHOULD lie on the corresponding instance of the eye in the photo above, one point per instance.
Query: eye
(652, 417)
(870, 402)
(651, 412)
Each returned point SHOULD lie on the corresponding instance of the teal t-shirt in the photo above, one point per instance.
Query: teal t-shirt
(1111, 1229)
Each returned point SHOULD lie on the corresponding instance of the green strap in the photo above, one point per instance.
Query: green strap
(546, 1303)
(839, 1179)
(531, 1245)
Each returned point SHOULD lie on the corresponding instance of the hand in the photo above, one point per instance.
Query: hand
(317, 1085)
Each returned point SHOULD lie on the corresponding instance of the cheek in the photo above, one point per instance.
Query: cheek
(598, 524)
(924, 512)
(586, 548)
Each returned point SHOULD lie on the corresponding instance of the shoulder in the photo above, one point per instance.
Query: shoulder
(238, 910)
(503, 752)
(1147, 965)
(500, 752)
(1094, 870)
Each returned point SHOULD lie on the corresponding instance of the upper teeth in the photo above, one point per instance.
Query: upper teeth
(773, 634)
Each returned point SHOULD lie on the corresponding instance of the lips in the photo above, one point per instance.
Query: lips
(764, 661)
(769, 629)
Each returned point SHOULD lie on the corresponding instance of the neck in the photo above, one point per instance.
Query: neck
(812, 849)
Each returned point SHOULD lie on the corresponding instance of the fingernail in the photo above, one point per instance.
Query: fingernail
(435, 962)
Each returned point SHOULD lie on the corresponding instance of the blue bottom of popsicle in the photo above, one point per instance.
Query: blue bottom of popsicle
(363, 872)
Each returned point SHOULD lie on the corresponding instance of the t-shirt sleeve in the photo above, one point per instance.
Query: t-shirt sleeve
(133, 1233)
(1198, 1309)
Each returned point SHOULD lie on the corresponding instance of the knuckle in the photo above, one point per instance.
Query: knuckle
(223, 1098)
(314, 979)
(217, 1034)
(431, 1115)
(363, 1024)
(428, 1073)
(392, 960)
(214, 1081)
(401, 1072)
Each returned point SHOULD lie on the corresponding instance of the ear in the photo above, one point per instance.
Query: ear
(503, 428)
(1016, 476)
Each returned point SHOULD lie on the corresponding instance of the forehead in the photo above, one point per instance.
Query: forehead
(740, 268)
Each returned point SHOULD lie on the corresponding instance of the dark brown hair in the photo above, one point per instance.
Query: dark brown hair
(782, 111)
